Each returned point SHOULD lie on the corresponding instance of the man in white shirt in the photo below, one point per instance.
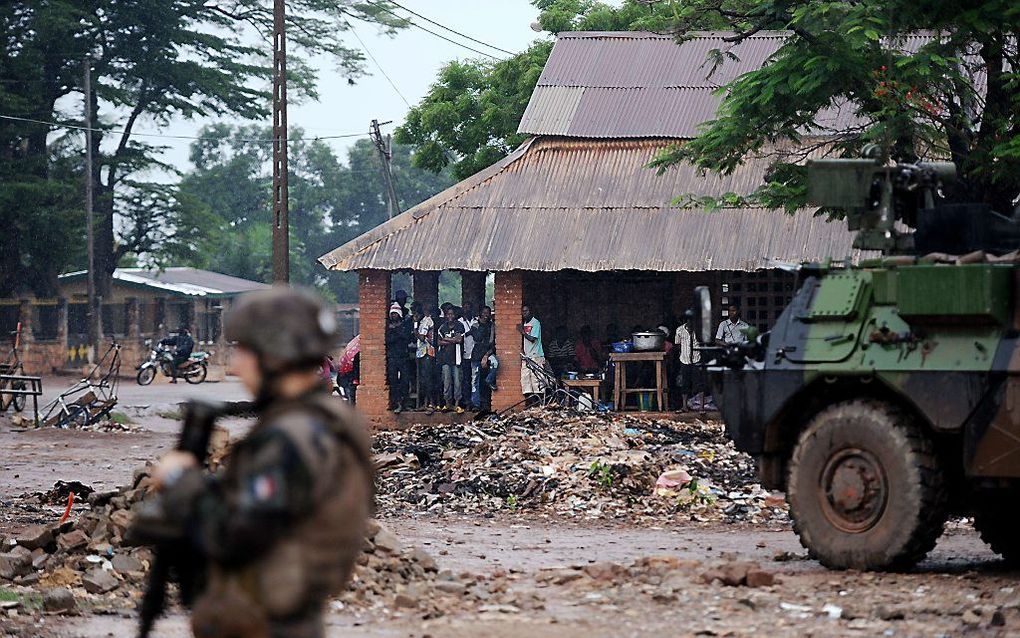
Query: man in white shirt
(687, 356)
(470, 380)
(732, 330)
(531, 333)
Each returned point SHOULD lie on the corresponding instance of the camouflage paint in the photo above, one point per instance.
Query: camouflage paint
(943, 338)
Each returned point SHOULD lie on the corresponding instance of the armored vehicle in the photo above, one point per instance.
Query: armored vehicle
(887, 395)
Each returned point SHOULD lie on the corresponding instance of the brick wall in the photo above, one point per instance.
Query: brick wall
(374, 300)
(508, 302)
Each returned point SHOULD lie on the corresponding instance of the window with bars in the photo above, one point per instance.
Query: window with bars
(45, 320)
(761, 295)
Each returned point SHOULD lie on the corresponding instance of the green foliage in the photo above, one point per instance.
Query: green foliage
(153, 61)
(469, 118)
(917, 97)
(601, 473)
(330, 203)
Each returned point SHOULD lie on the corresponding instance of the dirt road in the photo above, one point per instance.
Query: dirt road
(554, 571)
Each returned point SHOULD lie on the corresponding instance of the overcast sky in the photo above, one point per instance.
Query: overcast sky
(412, 59)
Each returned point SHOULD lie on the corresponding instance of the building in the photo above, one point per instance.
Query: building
(143, 304)
(576, 223)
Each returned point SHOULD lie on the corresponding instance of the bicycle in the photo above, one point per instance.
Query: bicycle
(12, 366)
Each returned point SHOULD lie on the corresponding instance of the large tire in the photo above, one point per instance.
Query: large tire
(998, 522)
(146, 375)
(198, 376)
(865, 488)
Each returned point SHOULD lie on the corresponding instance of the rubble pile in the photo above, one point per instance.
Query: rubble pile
(578, 466)
(87, 556)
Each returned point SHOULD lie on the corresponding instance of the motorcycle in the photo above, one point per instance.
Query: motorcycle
(161, 358)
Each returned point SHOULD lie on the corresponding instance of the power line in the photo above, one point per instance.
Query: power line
(179, 137)
(438, 35)
(443, 26)
(378, 66)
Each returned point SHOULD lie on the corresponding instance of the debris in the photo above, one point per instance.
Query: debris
(36, 537)
(58, 600)
(16, 562)
(577, 466)
(99, 581)
(832, 611)
(72, 540)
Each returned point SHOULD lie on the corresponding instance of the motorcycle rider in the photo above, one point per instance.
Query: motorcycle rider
(183, 345)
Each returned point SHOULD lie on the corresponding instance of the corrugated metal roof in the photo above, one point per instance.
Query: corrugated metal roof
(638, 84)
(192, 282)
(559, 204)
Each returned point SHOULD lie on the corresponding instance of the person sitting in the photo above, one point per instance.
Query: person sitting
(560, 352)
(588, 353)
(183, 345)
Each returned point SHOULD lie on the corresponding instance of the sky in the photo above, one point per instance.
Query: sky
(411, 59)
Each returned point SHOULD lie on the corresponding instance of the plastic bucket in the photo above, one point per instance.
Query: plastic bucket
(645, 401)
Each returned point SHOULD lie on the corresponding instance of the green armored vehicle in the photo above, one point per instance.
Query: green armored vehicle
(887, 395)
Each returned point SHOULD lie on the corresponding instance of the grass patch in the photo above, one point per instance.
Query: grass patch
(120, 418)
(29, 602)
(174, 415)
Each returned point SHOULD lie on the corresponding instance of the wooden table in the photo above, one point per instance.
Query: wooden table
(586, 384)
(620, 388)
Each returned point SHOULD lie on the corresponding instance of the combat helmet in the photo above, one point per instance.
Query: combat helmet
(288, 328)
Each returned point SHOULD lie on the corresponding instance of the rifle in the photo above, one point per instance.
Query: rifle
(174, 558)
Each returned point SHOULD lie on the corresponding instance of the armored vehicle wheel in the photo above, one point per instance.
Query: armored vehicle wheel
(865, 488)
(997, 522)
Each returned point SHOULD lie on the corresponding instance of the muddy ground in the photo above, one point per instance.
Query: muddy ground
(556, 577)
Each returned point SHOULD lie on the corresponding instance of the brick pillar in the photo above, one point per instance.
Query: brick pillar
(133, 316)
(472, 288)
(508, 302)
(425, 288)
(374, 301)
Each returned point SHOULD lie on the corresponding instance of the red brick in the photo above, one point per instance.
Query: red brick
(508, 302)
(374, 300)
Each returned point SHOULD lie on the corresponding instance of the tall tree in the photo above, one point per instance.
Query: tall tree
(921, 79)
(469, 118)
(155, 61)
(331, 202)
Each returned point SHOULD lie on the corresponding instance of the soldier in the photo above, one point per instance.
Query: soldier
(283, 524)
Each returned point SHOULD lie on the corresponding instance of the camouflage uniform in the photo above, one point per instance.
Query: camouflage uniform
(283, 522)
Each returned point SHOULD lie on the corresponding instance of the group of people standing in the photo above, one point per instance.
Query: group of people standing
(447, 354)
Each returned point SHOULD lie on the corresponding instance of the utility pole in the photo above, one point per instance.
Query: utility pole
(385, 148)
(92, 315)
(281, 224)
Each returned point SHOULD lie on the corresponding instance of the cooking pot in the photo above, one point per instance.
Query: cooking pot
(648, 341)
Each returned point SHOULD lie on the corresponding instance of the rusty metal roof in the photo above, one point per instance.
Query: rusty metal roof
(637, 84)
(619, 84)
(590, 205)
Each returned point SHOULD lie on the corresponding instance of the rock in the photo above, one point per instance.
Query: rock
(58, 601)
(450, 587)
(387, 541)
(15, 563)
(125, 563)
(424, 559)
(604, 571)
(39, 559)
(405, 601)
(121, 520)
(99, 581)
(757, 577)
(971, 617)
(72, 540)
(35, 537)
(998, 619)
(28, 579)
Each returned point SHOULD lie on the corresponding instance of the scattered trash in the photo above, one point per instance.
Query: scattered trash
(577, 466)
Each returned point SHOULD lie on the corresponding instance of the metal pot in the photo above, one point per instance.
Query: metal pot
(648, 341)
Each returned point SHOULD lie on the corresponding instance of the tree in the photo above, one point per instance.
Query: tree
(470, 116)
(920, 79)
(154, 61)
(330, 202)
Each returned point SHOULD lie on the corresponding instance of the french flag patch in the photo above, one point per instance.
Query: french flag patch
(264, 488)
